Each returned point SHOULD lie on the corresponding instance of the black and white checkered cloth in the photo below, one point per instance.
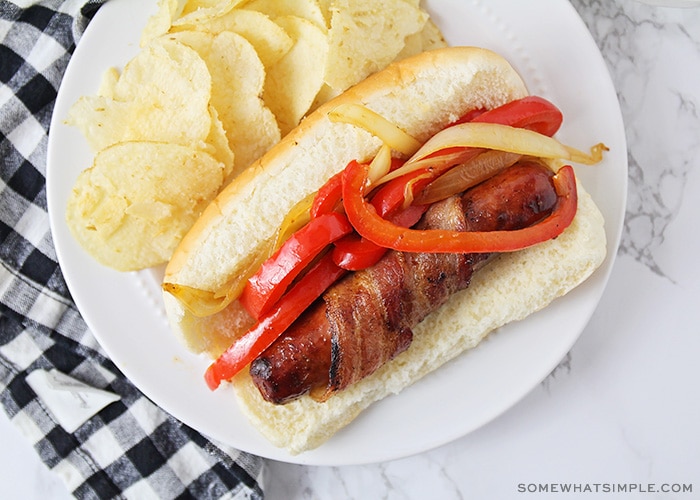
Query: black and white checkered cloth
(131, 448)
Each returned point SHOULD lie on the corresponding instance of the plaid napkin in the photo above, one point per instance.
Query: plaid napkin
(130, 448)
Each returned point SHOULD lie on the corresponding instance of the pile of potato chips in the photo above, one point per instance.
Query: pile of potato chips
(215, 85)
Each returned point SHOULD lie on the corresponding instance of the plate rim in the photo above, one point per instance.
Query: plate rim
(595, 286)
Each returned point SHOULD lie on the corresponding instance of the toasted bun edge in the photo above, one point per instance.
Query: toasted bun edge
(421, 94)
(509, 289)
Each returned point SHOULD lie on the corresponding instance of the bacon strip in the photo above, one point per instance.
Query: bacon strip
(367, 318)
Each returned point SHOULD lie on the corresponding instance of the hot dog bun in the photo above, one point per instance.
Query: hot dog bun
(421, 94)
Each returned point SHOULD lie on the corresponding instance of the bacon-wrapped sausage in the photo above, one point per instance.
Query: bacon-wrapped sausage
(367, 318)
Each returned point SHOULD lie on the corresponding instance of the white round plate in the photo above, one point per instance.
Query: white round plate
(550, 46)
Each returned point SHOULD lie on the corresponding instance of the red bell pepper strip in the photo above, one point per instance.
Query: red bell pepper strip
(269, 283)
(270, 326)
(531, 112)
(353, 252)
(391, 196)
(328, 196)
(369, 224)
(469, 116)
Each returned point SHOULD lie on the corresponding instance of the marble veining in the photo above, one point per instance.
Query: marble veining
(643, 46)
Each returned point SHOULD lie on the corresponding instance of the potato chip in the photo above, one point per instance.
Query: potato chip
(432, 37)
(217, 143)
(160, 22)
(325, 94)
(307, 9)
(325, 6)
(216, 84)
(198, 5)
(428, 39)
(237, 81)
(292, 84)
(162, 95)
(271, 42)
(108, 82)
(412, 45)
(101, 120)
(366, 35)
(133, 206)
(201, 11)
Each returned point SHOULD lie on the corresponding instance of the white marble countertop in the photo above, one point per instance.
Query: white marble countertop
(623, 408)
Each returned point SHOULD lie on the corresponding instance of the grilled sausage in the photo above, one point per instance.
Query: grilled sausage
(366, 319)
